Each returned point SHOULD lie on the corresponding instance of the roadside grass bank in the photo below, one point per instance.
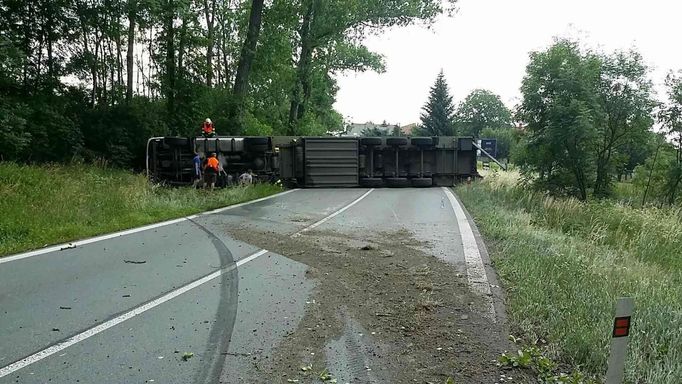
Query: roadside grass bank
(564, 263)
(42, 205)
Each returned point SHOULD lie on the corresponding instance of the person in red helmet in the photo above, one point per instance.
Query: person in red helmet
(207, 128)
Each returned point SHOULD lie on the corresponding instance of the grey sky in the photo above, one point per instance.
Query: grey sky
(486, 45)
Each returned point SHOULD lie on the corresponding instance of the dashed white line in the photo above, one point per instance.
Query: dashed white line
(78, 243)
(340, 211)
(4, 371)
(476, 275)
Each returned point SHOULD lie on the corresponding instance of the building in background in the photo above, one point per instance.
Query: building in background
(408, 130)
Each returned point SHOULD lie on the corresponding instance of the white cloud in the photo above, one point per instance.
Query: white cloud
(486, 45)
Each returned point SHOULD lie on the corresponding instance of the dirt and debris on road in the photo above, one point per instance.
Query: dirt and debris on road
(383, 311)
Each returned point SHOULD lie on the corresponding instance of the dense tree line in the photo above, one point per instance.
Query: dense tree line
(94, 78)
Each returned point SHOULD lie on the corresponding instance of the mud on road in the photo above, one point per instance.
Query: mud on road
(383, 311)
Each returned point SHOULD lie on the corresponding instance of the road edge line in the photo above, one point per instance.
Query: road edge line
(84, 335)
(476, 274)
(338, 212)
(125, 232)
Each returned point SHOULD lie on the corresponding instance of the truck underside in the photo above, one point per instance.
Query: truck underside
(320, 161)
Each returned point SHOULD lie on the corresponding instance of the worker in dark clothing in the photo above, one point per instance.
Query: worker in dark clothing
(197, 168)
(211, 171)
(207, 128)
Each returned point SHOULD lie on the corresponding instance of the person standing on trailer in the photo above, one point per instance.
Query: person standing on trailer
(211, 171)
(197, 169)
(207, 128)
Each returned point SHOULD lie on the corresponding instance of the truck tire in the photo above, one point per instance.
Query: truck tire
(396, 141)
(372, 182)
(422, 182)
(370, 141)
(397, 182)
(422, 141)
(176, 141)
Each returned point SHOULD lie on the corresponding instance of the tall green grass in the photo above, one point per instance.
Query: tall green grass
(41, 205)
(564, 263)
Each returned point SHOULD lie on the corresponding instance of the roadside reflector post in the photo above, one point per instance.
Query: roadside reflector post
(620, 335)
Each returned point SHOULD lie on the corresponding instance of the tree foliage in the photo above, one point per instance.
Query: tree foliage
(481, 109)
(627, 107)
(90, 79)
(588, 117)
(561, 109)
(437, 118)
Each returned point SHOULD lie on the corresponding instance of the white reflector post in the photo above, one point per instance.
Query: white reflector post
(620, 334)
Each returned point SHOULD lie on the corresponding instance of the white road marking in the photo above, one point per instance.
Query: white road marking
(476, 275)
(4, 371)
(340, 211)
(75, 244)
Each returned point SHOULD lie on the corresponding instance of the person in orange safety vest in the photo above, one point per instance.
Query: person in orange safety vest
(211, 171)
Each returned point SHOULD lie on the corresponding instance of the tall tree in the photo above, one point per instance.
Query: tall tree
(327, 23)
(671, 119)
(241, 81)
(561, 108)
(210, 10)
(130, 65)
(481, 109)
(625, 98)
(438, 116)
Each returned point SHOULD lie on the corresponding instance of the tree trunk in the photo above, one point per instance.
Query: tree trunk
(651, 171)
(241, 81)
(302, 84)
(169, 17)
(210, 18)
(182, 43)
(673, 192)
(601, 184)
(131, 48)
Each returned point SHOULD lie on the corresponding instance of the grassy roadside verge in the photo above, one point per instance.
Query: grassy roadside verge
(563, 264)
(56, 203)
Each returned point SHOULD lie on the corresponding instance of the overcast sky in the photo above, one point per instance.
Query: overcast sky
(486, 45)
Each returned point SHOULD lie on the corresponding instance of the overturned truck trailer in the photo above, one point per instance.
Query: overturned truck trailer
(321, 161)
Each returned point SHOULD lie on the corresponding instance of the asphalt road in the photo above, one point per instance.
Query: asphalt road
(126, 309)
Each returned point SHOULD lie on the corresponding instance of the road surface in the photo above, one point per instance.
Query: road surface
(233, 288)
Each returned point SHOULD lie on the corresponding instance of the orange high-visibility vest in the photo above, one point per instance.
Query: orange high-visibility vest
(212, 162)
(207, 128)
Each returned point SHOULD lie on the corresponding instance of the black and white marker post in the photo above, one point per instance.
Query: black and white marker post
(619, 340)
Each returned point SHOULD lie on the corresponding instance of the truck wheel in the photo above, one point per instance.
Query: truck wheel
(396, 141)
(421, 141)
(397, 182)
(372, 182)
(370, 141)
(422, 182)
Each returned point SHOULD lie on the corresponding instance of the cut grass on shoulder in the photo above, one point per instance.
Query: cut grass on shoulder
(44, 205)
(564, 263)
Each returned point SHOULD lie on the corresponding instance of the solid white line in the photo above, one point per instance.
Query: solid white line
(476, 275)
(317, 224)
(4, 371)
(78, 243)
